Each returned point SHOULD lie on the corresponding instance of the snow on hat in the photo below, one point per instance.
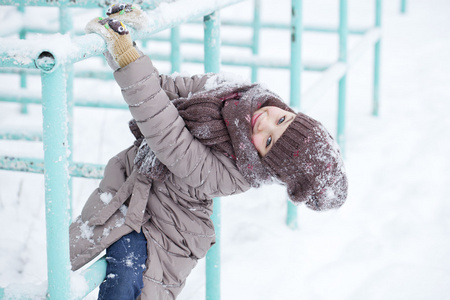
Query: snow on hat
(308, 161)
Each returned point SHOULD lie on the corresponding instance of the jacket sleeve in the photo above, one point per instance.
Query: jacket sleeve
(181, 86)
(165, 130)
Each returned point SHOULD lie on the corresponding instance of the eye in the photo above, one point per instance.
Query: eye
(281, 120)
(120, 29)
(269, 141)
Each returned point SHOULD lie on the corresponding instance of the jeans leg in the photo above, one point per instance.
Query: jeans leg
(126, 260)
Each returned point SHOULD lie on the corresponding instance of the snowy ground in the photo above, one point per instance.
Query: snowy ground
(389, 241)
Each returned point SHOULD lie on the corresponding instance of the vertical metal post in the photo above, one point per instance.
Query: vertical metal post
(23, 73)
(256, 26)
(175, 55)
(65, 27)
(403, 6)
(376, 70)
(295, 72)
(343, 31)
(56, 174)
(212, 64)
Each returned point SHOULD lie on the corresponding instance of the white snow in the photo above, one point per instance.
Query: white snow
(224, 79)
(106, 197)
(389, 241)
(87, 232)
(123, 209)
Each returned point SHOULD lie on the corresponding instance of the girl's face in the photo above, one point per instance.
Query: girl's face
(268, 124)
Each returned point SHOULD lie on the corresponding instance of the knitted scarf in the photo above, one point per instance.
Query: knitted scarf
(220, 119)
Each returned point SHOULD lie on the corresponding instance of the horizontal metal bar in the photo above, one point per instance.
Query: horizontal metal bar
(224, 42)
(95, 74)
(36, 165)
(22, 136)
(94, 275)
(24, 53)
(248, 61)
(146, 4)
(287, 26)
(25, 96)
(103, 74)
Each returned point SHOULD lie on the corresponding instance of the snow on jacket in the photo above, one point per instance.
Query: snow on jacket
(175, 214)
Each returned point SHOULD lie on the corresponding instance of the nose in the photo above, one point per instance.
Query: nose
(264, 123)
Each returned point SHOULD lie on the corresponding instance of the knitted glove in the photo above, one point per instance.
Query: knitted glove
(117, 39)
(130, 14)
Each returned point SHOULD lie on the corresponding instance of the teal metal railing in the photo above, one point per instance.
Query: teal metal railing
(212, 64)
(56, 71)
(50, 64)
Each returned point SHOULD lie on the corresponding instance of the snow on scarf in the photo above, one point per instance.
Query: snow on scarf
(220, 119)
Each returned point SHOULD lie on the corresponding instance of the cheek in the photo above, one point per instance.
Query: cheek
(256, 141)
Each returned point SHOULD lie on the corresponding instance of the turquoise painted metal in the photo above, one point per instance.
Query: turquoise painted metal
(31, 98)
(403, 6)
(212, 64)
(175, 55)
(94, 275)
(256, 25)
(343, 32)
(146, 4)
(54, 110)
(23, 74)
(35, 165)
(279, 25)
(21, 136)
(295, 84)
(376, 71)
(66, 27)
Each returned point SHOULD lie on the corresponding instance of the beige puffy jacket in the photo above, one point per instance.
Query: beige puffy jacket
(175, 214)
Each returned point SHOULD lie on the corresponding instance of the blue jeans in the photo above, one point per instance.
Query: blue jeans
(126, 262)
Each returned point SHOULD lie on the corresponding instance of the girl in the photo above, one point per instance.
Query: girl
(196, 138)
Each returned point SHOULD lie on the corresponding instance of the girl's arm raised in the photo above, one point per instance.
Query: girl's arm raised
(167, 135)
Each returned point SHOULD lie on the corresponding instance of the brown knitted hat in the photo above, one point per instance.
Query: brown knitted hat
(308, 160)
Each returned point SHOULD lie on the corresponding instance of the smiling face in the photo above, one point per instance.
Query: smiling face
(268, 124)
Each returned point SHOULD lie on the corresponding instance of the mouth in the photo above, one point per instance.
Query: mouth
(254, 119)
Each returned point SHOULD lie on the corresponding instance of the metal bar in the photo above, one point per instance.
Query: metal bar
(276, 25)
(212, 64)
(295, 84)
(403, 6)
(343, 30)
(23, 75)
(146, 4)
(90, 45)
(54, 109)
(187, 40)
(105, 74)
(21, 136)
(36, 165)
(31, 98)
(256, 25)
(175, 55)
(248, 61)
(94, 275)
(66, 27)
(376, 65)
